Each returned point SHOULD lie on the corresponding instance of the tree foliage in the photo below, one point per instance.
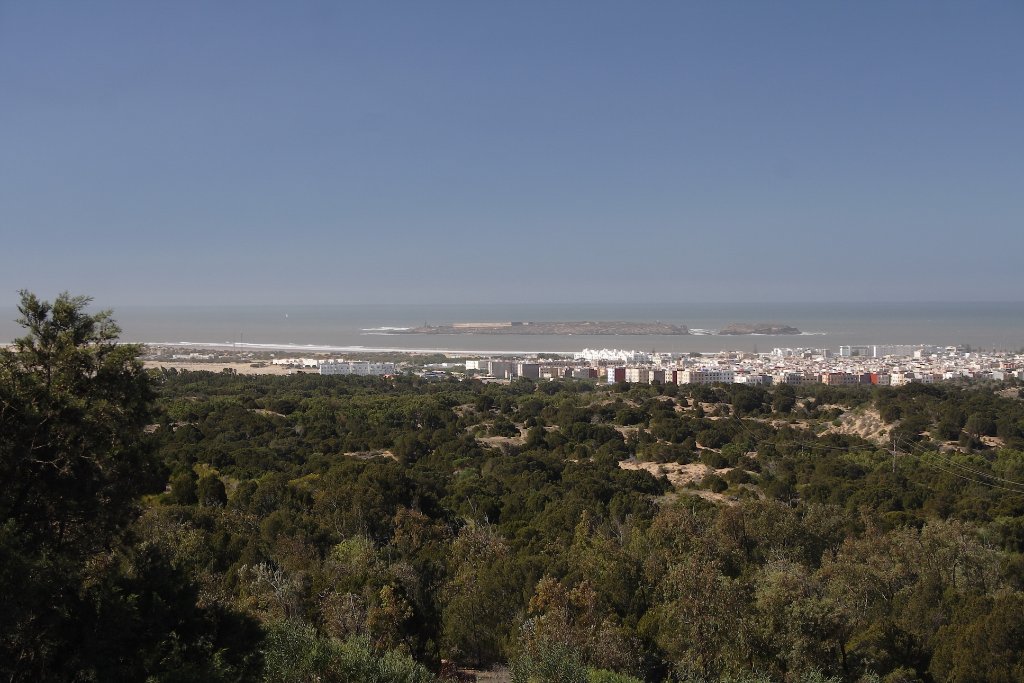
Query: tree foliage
(359, 528)
(79, 598)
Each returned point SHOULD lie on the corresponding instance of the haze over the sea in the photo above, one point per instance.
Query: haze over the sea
(991, 325)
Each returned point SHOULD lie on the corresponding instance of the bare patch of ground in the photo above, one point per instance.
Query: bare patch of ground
(238, 368)
(266, 413)
(779, 423)
(626, 431)
(710, 495)
(370, 455)
(677, 475)
(993, 441)
(497, 675)
(865, 423)
(680, 476)
(504, 440)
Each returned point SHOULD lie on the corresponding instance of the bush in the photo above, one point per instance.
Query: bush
(183, 488)
(211, 491)
(713, 438)
(605, 676)
(296, 653)
(549, 662)
(715, 483)
(737, 476)
(503, 427)
(713, 459)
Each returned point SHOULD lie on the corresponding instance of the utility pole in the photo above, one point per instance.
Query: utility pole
(894, 455)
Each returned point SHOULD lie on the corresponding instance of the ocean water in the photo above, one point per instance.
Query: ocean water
(991, 325)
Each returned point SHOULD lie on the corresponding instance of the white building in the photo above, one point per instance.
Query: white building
(612, 356)
(356, 367)
(638, 375)
(791, 378)
(296, 362)
(706, 376)
(899, 379)
(753, 379)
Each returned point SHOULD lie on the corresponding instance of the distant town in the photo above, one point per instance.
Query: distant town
(880, 365)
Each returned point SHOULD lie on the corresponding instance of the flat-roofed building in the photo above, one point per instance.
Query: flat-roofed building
(899, 379)
(616, 375)
(502, 369)
(840, 379)
(753, 379)
(638, 375)
(792, 378)
(356, 367)
(706, 376)
(531, 370)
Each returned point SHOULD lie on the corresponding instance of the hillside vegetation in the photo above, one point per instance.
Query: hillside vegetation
(184, 526)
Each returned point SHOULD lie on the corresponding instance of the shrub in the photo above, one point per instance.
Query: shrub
(549, 662)
(605, 676)
(295, 653)
(715, 483)
(737, 476)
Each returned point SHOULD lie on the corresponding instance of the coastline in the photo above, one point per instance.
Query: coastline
(325, 348)
(358, 329)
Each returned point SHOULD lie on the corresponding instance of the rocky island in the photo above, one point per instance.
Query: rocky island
(584, 327)
(758, 328)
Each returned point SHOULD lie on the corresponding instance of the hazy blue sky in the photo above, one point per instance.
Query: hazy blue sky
(237, 152)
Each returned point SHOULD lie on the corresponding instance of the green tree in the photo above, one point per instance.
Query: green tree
(73, 403)
(75, 595)
(984, 642)
(696, 617)
(980, 425)
(296, 653)
(480, 596)
(183, 488)
(211, 491)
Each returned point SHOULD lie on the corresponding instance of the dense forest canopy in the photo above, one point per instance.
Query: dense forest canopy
(191, 525)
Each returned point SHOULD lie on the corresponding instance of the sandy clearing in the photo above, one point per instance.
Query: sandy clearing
(678, 475)
(370, 455)
(681, 475)
(500, 440)
(240, 368)
(865, 423)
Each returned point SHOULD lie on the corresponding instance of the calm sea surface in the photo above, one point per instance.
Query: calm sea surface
(981, 325)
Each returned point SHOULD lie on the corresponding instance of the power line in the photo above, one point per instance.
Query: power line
(806, 444)
(920, 456)
(980, 473)
(925, 461)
